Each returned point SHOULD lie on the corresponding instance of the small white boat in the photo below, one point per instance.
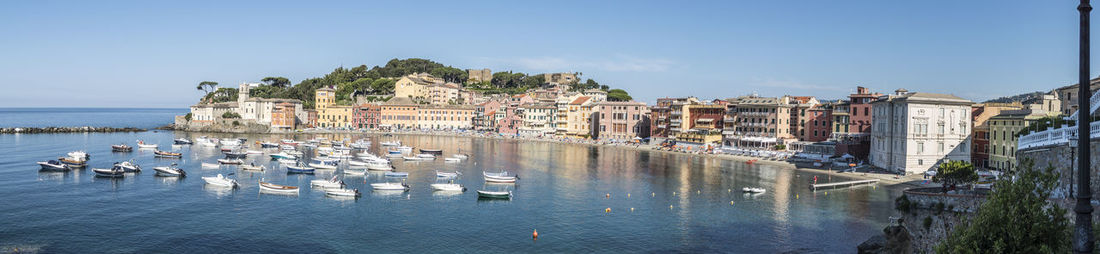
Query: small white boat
(79, 155)
(396, 174)
(111, 172)
(461, 156)
(287, 147)
(220, 180)
(343, 192)
(355, 171)
(128, 166)
(321, 163)
(211, 165)
(426, 156)
(231, 161)
(325, 184)
(182, 141)
(407, 158)
(494, 194)
(230, 142)
(53, 165)
(447, 174)
(391, 143)
(283, 155)
(287, 162)
(448, 187)
(170, 171)
(500, 180)
(501, 177)
(753, 190)
(141, 144)
(254, 152)
(452, 160)
(406, 149)
(279, 189)
(268, 145)
(253, 167)
(389, 186)
(357, 163)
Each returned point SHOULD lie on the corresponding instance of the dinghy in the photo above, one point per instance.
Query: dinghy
(53, 165)
(231, 161)
(753, 190)
(447, 174)
(128, 166)
(396, 174)
(394, 153)
(112, 172)
(407, 158)
(343, 192)
(431, 151)
(141, 144)
(389, 186)
(299, 169)
(121, 148)
(166, 154)
(277, 189)
(494, 194)
(501, 177)
(220, 180)
(448, 187)
(253, 167)
(325, 184)
(170, 171)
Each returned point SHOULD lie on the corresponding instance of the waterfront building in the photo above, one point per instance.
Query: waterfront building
(204, 114)
(445, 117)
(661, 118)
(311, 118)
(578, 117)
(916, 131)
(485, 115)
(330, 115)
(507, 121)
(367, 116)
(979, 136)
(399, 113)
(804, 120)
(761, 122)
(284, 116)
(1068, 95)
(250, 109)
(539, 119)
(620, 121)
(853, 136)
(1003, 139)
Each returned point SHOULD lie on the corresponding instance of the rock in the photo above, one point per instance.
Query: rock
(31, 130)
(895, 239)
(873, 245)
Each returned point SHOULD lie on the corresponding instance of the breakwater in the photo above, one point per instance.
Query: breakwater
(32, 130)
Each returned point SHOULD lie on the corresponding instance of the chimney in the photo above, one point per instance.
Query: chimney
(900, 91)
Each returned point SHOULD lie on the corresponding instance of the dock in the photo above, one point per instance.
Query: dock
(841, 184)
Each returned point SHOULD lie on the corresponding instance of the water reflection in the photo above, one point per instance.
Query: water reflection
(218, 191)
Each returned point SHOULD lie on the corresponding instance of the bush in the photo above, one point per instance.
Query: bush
(780, 147)
(927, 222)
(187, 117)
(938, 207)
(902, 204)
(230, 115)
(236, 123)
(953, 173)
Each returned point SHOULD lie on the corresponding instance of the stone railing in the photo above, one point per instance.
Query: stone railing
(1056, 136)
(1094, 103)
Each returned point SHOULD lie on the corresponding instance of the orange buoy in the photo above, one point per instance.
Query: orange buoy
(608, 210)
(535, 235)
(631, 209)
(609, 195)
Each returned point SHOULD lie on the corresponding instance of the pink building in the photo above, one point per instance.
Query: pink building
(620, 121)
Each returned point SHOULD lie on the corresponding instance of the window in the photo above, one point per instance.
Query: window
(941, 147)
(920, 162)
(920, 147)
(941, 129)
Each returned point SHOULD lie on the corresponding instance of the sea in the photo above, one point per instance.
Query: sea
(579, 198)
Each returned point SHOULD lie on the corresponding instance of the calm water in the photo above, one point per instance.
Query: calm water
(561, 194)
(96, 117)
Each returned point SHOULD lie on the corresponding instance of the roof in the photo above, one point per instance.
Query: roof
(580, 100)
(399, 101)
(1021, 113)
(325, 88)
(929, 97)
(802, 99)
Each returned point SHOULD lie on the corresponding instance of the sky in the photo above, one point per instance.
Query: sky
(154, 53)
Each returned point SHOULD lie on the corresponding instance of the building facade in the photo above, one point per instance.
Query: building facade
(916, 131)
(1003, 139)
(621, 121)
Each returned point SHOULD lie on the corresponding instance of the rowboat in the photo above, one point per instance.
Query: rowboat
(389, 186)
(128, 166)
(298, 169)
(452, 160)
(121, 148)
(141, 144)
(220, 180)
(426, 156)
(53, 165)
(167, 154)
(447, 174)
(431, 151)
(324, 163)
(325, 184)
(253, 167)
(355, 171)
(501, 177)
(752, 190)
(170, 171)
(461, 156)
(278, 189)
(283, 155)
(112, 172)
(343, 192)
(211, 165)
(73, 162)
(494, 194)
(182, 141)
(448, 187)
(396, 174)
(231, 161)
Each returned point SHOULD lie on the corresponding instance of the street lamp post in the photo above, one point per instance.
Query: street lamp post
(1082, 237)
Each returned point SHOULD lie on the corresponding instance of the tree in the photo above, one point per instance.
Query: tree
(221, 95)
(276, 81)
(383, 86)
(229, 115)
(450, 74)
(207, 86)
(618, 95)
(1016, 218)
(953, 173)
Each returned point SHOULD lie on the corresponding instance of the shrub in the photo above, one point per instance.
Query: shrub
(902, 204)
(187, 117)
(236, 123)
(927, 222)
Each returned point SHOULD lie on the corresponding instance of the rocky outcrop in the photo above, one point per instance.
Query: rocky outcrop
(226, 126)
(895, 239)
(32, 130)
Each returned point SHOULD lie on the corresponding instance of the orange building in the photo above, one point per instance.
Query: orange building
(282, 118)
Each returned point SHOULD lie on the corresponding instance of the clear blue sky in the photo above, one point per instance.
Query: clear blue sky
(152, 54)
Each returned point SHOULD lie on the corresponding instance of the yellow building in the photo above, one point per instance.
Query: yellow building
(399, 113)
(578, 117)
(330, 115)
(450, 117)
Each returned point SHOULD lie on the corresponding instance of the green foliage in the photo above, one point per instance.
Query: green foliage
(383, 86)
(267, 91)
(903, 204)
(781, 147)
(1016, 218)
(276, 81)
(588, 84)
(230, 115)
(221, 95)
(927, 222)
(508, 79)
(187, 117)
(450, 74)
(953, 173)
(236, 123)
(207, 86)
(618, 95)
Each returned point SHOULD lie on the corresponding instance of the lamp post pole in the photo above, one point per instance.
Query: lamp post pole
(1082, 237)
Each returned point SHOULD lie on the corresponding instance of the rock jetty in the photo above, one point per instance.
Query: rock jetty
(68, 129)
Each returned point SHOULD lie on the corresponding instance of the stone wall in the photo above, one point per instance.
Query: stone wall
(1062, 159)
(225, 125)
(943, 210)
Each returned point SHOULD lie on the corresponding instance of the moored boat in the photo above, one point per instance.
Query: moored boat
(111, 172)
(452, 160)
(396, 174)
(182, 141)
(231, 161)
(53, 165)
(268, 145)
(494, 194)
(355, 171)
(283, 155)
(73, 162)
(461, 156)
(753, 190)
(426, 156)
(447, 174)
(325, 184)
(253, 167)
(438, 152)
(448, 187)
(324, 163)
(121, 148)
(391, 143)
(279, 189)
(170, 171)
(211, 165)
(343, 192)
(299, 169)
(220, 180)
(254, 152)
(128, 166)
(235, 155)
(141, 144)
(167, 154)
(80, 155)
(500, 177)
(389, 186)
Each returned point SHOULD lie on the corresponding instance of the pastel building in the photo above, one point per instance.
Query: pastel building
(620, 121)
(913, 132)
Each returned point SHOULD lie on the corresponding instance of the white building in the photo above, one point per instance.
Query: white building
(539, 119)
(913, 132)
(258, 110)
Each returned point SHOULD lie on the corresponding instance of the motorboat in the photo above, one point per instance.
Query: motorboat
(111, 172)
(389, 186)
(452, 160)
(230, 142)
(299, 169)
(253, 167)
(206, 143)
(121, 148)
(361, 144)
(294, 153)
(391, 143)
(322, 163)
(231, 161)
(405, 149)
(53, 165)
(287, 147)
(141, 144)
(414, 158)
(431, 151)
(461, 156)
(379, 164)
(253, 152)
(501, 180)
(447, 174)
(325, 184)
(343, 192)
(426, 156)
(357, 163)
(501, 177)
(269, 145)
(220, 180)
(448, 187)
(494, 194)
(355, 171)
(73, 162)
(279, 189)
(753, 190)
(211, 165)
(170, 171)
(283, 155)
(287, 162)
(235, 155)
(396, 174)
(182, 141)
(394, 153)
(167, 154)
(290, 142)
(128, 166)
(79, 155)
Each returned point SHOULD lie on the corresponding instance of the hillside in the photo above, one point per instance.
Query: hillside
(1017, 98)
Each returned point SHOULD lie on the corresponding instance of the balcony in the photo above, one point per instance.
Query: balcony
(676, 113)
(674, 129)
(675, 120)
